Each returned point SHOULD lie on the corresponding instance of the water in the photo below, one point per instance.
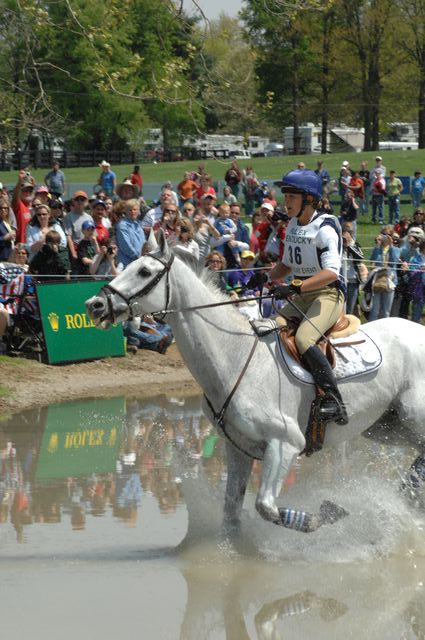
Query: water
(110, 518)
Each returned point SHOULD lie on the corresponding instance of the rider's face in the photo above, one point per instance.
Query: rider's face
(293, 203)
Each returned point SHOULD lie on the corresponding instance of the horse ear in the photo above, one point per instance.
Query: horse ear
(163, 245)
(152, 243)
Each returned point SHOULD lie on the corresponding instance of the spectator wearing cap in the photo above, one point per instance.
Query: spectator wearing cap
(22, 197)
(73, 225)
(87, 248)
(130, 236)
(261, 192)
(239, 278)
(98, 209)
(42, 193)
(417, 189)
(55, 181)
(127, 190)
(107, 179)
(343, 181)
(378, 169)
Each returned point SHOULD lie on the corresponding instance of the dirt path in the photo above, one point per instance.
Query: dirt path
(26, 383)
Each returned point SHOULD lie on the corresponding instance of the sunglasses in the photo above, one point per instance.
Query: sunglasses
(80, 199)
(170, 210)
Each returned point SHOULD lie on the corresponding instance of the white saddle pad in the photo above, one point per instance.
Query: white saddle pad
(361, 358)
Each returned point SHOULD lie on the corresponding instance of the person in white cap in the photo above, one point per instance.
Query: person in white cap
(379, 168)
(107, 179)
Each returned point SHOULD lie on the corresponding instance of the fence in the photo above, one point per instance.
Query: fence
(10, 161)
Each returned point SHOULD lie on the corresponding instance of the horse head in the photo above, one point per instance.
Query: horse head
(143, 287)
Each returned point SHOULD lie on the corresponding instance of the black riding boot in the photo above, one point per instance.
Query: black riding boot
(332, 408)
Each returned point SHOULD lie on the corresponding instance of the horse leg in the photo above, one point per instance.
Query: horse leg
(415, 478)
(239, 468)
(278, 460)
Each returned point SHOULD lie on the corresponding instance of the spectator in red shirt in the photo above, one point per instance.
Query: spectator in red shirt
(356, 185)
(23, 194)
(98, 209)
(137, 179)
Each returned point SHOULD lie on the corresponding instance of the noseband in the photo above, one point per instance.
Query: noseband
(109, 290)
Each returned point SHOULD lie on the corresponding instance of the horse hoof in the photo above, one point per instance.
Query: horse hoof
(331, 512)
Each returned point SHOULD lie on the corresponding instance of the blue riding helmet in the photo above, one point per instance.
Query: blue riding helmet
(301, 181)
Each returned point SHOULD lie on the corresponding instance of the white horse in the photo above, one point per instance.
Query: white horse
(255, 401)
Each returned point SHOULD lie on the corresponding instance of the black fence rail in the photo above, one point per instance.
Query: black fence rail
(12, 161)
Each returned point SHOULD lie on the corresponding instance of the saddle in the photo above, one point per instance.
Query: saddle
(346, 325)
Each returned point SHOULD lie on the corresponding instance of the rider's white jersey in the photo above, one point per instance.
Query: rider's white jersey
(314, 246)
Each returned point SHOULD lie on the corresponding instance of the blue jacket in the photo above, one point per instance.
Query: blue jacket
(130, 239)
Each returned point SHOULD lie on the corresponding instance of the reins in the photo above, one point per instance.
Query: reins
(213, 304)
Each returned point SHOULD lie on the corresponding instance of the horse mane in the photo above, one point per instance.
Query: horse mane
(207, 277)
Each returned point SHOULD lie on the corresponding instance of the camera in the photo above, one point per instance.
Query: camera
(110, 250)
(279, 216)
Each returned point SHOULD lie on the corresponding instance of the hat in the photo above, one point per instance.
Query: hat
(378, 158)
(416, 232)
(104, 164)
(344, 167)
(264, 184)
(345, 163)
(98, 201)
(209, 195)
(267, 205)
(247, 254)
(80, 194)
(127, 183)
(88, 224)
(42, 189)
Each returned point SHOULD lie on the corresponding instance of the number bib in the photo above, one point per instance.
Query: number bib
(312, 247)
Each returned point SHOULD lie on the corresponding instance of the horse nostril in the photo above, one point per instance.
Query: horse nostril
(98, 305)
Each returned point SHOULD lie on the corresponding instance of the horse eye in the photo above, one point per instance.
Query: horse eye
(144, 272)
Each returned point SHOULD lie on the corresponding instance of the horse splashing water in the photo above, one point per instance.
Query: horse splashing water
(253, 399)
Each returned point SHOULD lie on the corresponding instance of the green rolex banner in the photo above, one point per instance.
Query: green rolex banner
(81, 438)
(69, 333)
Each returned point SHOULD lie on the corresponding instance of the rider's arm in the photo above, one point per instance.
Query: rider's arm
(279, 271)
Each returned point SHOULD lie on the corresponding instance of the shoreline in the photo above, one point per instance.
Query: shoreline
(27, 383)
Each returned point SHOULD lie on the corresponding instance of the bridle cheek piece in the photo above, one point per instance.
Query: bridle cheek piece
(109, 290)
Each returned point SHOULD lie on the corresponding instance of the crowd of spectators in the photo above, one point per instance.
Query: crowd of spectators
(56, 235)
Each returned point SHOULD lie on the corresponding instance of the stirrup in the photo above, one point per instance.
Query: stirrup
(331, 409)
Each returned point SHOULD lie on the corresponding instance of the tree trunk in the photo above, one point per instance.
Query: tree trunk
(421, 113)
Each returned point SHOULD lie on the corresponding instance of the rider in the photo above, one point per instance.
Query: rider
(313, 254)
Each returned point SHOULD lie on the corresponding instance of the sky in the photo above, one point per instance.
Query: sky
(213, 8)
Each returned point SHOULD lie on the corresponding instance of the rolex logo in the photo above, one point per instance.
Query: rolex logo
(54, 321)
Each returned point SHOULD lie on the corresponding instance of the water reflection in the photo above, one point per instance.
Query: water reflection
(125, 497)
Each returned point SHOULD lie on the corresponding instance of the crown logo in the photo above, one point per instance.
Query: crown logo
(53, 443)
(54, 321)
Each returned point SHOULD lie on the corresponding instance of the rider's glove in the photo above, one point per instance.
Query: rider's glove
(283, 291)
(257, 280)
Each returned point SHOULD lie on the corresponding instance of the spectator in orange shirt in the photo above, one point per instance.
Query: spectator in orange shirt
(137, 179)
(186, 188)
(23, 194)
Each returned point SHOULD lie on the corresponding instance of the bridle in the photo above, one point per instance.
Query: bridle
(109, 289)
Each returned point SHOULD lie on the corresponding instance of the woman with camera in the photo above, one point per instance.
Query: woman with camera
(385, 257)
